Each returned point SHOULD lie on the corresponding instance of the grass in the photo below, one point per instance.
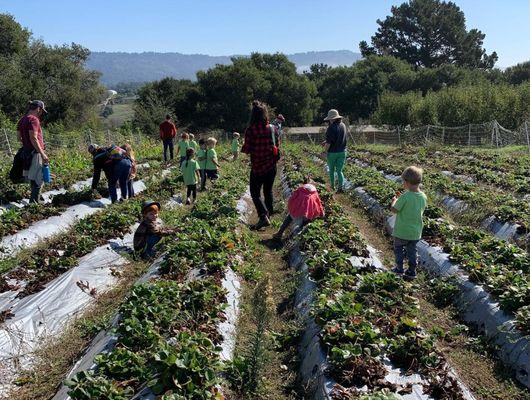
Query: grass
(277, 368)
(121, 113)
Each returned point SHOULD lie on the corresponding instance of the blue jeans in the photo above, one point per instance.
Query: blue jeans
(149, 250)
(120, 174)
(406, 248)
(130, 188)
(168, 145)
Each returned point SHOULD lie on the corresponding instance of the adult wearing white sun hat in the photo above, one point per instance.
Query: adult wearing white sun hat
(335, 145)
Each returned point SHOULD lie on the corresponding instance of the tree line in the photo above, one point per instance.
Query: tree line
(421, 63)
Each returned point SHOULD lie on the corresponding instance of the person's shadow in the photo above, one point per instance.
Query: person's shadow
(272, 244)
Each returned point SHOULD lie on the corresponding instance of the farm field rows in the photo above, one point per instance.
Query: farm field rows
(172, 334)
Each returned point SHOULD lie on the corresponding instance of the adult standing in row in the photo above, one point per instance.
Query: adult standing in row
(335, 146)
(278, 122)
(261, 143)
(168, 131)
(113, 161)
(30, 134)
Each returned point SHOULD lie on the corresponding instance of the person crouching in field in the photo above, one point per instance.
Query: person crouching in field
(235, 146)
(190, 172)
(409, 208)
(150, 231)
(304, 205)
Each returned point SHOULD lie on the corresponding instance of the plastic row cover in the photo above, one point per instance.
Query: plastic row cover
(314, 360)
(44, 229)
(503, 230)
(106, 340)
(477, 306)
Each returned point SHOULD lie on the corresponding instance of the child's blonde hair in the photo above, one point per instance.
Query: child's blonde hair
(235, 134)
(185, 136)
(192, 136)
(211, 141)
(413, 175)
(129, 151)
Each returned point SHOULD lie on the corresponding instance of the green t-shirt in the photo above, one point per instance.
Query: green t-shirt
(183, 146)
(211, 155)
(194, 145)
(409, 220)
(201, 153)
(188, 172)
(235, 145)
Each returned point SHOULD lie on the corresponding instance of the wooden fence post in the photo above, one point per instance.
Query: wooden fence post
(469, 135)
(399, 136)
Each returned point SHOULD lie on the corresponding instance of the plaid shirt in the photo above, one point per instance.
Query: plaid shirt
(258, 143)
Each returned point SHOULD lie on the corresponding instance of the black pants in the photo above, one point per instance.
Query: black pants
(266, 182)
(191, 190)
(168, 144)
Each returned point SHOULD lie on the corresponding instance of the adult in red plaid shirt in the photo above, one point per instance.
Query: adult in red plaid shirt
(261, 141)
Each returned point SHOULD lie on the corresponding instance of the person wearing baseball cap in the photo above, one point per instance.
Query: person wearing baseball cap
(335, 145)
(30, 134)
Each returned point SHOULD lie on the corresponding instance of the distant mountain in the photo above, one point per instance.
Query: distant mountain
(144, 67)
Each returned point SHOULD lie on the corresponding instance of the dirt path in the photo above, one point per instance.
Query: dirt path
(276, 370)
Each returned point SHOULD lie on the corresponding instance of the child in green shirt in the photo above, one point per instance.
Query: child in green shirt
(235, 145)
(201, 157)
(193, 143)
(190, 172)
(409, 208)
(212, 164)
(182, 146)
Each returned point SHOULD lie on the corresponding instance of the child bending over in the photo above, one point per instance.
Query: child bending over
(304, 205)
(409, 208)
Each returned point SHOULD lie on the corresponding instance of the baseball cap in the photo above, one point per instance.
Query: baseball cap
(39, 103)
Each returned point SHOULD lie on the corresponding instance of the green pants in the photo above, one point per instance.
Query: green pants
(336, 165)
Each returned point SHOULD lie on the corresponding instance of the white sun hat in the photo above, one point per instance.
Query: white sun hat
(332, 114)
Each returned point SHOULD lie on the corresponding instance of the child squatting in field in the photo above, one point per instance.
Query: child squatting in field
(409, 208)
(304, 205)
(150, 231)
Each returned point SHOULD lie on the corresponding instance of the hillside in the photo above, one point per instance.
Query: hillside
(119, 67)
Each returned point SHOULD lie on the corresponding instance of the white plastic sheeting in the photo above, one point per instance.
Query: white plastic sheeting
(503, 230)
(314, 363)
(477, 306)
(105, 340)
(46, 313)
(44, 229)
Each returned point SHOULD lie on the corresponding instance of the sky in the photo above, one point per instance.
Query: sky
(227, 27)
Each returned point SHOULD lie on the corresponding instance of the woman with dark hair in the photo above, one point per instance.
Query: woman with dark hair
(261, 143)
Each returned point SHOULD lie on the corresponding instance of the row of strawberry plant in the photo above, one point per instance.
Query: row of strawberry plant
(513, 176)
(40, 265)
(503, 206)
(68, 167)
(366, 316)
(168, 339)
(502, 268)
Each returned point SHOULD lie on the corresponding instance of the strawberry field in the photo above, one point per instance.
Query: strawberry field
(223, 313)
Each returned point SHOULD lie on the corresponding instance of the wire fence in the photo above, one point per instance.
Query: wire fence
(489, 134)
(10, 143)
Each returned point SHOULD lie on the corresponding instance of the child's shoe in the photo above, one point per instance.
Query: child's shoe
(188, 201)
(398, 270)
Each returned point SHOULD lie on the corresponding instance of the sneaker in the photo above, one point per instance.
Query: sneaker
(262, 223)
(188, 201)
(410, 274)
(397, 270)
